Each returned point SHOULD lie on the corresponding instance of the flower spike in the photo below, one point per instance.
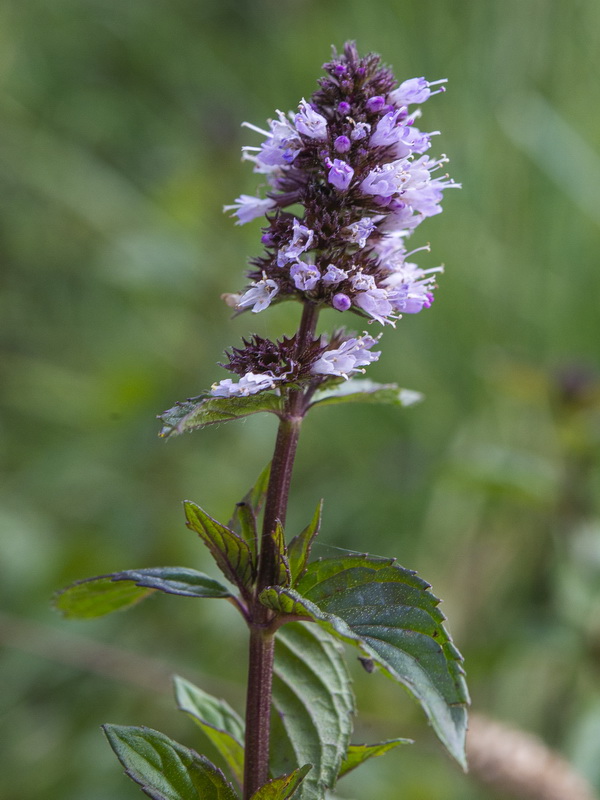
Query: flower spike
(349, 179)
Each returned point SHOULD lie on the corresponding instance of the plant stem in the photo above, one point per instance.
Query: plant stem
(258, 710)
(262, 641)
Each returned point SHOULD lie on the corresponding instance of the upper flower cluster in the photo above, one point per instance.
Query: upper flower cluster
(353, 158)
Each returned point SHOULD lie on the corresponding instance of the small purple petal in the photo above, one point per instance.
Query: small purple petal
(305, 276)
(361, 230)
(415, 90)
(340, 175)
(310, 123)
(247, 208)
(301, 241)
(361, 129)
(334, 275)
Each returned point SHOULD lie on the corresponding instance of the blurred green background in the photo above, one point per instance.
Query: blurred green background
(119, 145)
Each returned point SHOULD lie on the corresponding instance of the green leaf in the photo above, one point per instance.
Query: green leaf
(217, 720)
(389, 613)
(229, 550)
(199, 412)
(164, 769)
(366, 391)
(278, 536)
(175, 580)
(299, 547)
(94, 597)
(284, 787)
(359, 753)
(243, 521)
(314, 706)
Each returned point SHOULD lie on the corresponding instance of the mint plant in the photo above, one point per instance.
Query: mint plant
(348, 181)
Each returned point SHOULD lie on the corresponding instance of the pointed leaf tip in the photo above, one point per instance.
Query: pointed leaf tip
(359, 753)
(230, 552)
(243, 520)
(300, 546)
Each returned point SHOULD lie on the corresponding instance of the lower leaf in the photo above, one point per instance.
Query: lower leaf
(314, 706)
(217, 720)
(164, 769)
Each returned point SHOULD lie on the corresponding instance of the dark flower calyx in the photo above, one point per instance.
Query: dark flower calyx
(280, 359)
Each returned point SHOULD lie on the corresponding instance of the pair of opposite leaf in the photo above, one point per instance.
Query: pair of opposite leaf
(382, 609)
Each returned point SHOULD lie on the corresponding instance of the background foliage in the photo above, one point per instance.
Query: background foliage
(119, 146)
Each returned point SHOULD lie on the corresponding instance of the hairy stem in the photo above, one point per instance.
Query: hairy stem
(260, 662)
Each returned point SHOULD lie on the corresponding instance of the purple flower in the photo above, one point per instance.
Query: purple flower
(250, 383)
(402, 217)
(334, 275)
(310, 123)
(340, 174)
(259, 295)
(348, 358)
(422, 192)
(384, 181)
(386, 131)
(305, 276)
(360, 130)
(411, 288)
(414, 140)
(391, 249)
(372, 299)
(280, 148)
(301, 240)
(246, 207)
(415, 90)
(361, 230)
(344, 107)
(375, 303)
